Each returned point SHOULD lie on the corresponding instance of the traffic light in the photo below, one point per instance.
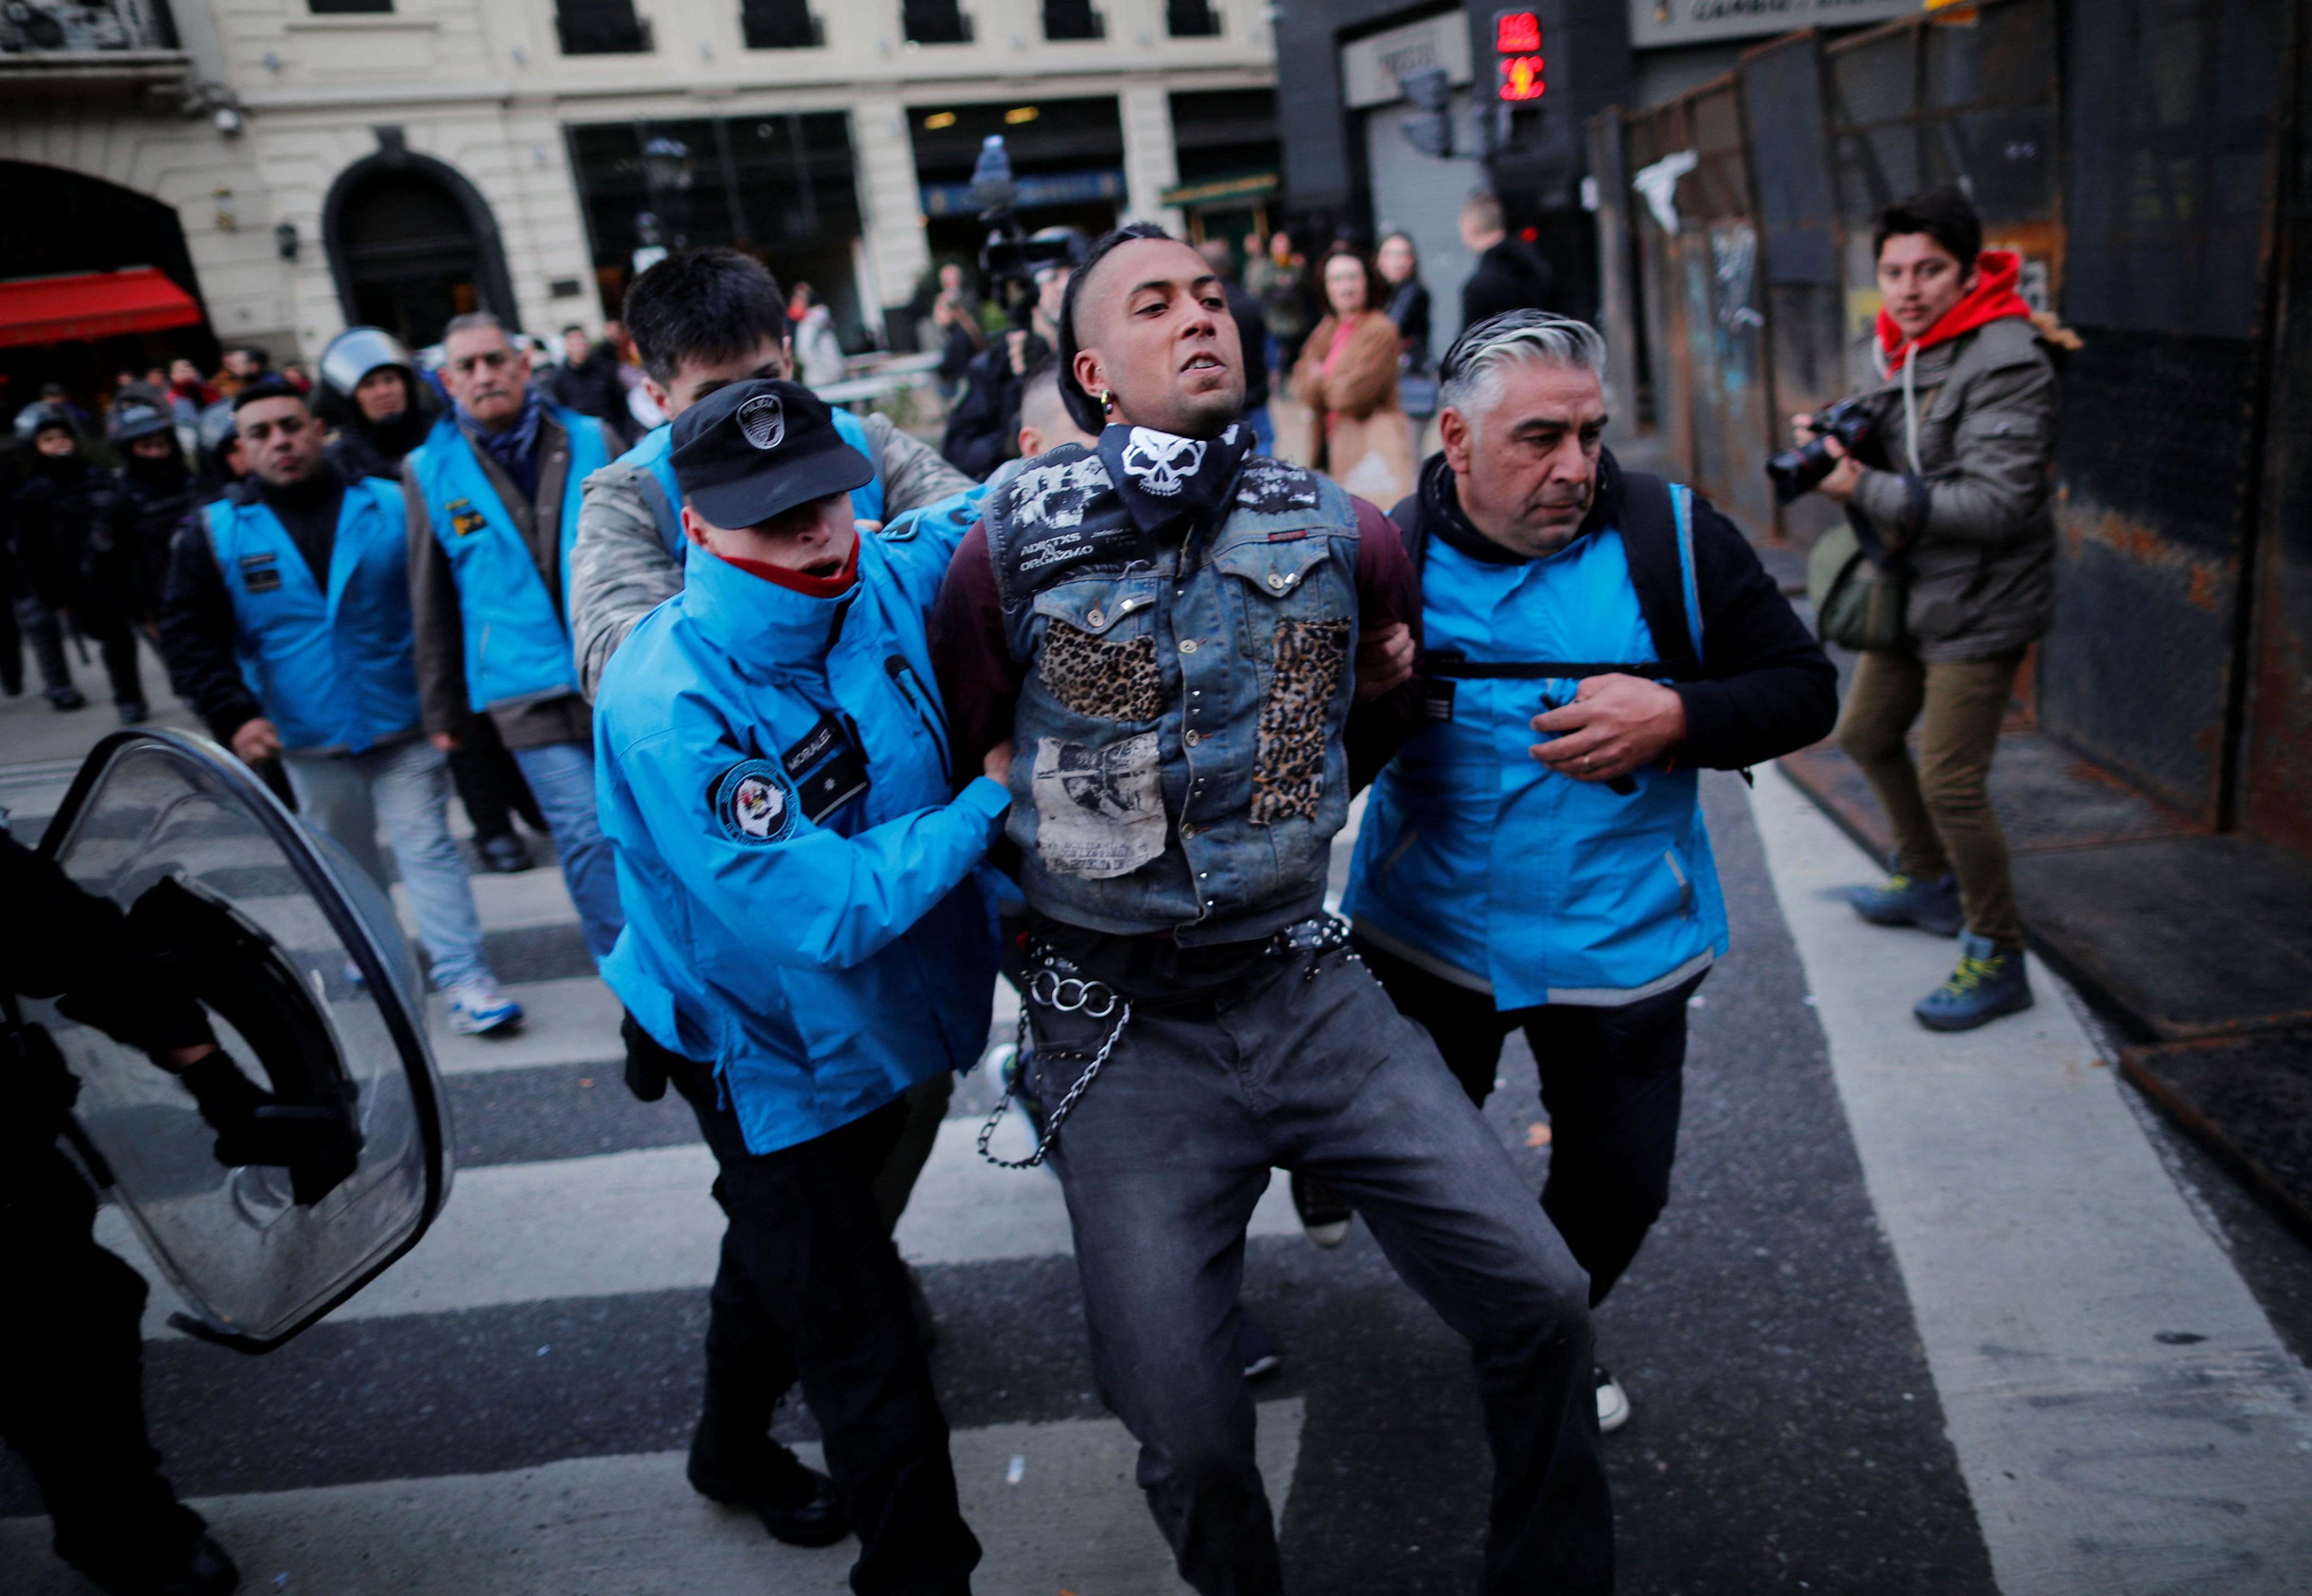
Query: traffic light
(1517, 50)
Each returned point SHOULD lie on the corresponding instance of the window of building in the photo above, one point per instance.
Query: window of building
(783, 188)
(600, 28)
(780, 25)
(1191, 19)
(330, 8)
(935, 22)
(1073, 19)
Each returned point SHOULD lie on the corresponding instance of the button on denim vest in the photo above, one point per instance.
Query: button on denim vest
(1178, 763)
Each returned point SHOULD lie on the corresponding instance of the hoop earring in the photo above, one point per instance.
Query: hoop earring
(1107, 402)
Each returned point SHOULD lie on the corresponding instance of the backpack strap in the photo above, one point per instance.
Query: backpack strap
(1658, 541)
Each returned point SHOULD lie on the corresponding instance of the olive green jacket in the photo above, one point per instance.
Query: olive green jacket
(1971, 512)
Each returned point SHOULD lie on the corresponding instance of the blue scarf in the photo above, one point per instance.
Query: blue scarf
(515, 449)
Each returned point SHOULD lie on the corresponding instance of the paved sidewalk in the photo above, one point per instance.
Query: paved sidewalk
(2124, 1416)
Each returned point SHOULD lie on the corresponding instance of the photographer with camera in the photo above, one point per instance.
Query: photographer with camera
(985, 424)
(1947, 578)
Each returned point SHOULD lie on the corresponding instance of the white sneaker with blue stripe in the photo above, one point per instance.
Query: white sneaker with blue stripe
(477, 1007)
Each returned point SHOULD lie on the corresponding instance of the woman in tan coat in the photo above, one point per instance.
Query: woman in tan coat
(1347, 378)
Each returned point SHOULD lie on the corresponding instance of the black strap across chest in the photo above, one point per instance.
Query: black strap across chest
(1650, 542)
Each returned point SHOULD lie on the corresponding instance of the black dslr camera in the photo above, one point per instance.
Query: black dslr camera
(1798, 472)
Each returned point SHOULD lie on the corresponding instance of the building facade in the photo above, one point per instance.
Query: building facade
(395, 161)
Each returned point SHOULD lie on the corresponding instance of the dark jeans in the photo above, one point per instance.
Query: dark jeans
(1308, 1067)
(489, 783)
(810, 1287)
(71, 1392)
(115, 640)
(1612, 1079)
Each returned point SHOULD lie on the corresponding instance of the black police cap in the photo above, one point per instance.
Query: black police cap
(752, 451)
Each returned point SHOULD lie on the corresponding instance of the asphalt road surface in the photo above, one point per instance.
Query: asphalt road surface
(1915, 1322)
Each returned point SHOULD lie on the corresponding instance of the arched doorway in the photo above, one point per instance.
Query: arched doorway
(411, 243)
(60, 223)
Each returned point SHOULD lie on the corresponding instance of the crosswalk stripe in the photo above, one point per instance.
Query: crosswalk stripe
(644, 1221)
(536, 897)
(631, 1526)
(572, 1020)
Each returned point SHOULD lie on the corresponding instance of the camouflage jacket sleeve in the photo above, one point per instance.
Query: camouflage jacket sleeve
(913, 473)
(620, 571)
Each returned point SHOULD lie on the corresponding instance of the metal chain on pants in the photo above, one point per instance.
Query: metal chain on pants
(1048, 987)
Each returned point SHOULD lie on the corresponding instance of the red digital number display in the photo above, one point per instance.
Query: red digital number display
(1522, 78)
(1516, 33)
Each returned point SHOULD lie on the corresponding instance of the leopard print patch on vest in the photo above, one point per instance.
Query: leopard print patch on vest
(1288, 777)
(1113, 681)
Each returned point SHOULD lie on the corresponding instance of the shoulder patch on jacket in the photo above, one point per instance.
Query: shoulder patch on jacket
(753, 801)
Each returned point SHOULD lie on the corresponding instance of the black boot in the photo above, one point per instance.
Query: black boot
(796, 1504)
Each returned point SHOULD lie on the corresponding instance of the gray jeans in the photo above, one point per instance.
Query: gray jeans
(1312, 1069)
(405, 786)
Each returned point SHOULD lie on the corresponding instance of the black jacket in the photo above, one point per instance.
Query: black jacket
(1252, 332)
(1767, 690)
(1512, 276)
(151, 501)
(58, 941)
(593, 387)
(59, 516)
(982, 430)
(1408, 307)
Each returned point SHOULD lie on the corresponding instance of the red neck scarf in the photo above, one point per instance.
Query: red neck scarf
(810, 587)
(1993, 299)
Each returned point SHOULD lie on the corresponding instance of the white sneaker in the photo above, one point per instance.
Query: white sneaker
(476, 1007)
(1612, 1404)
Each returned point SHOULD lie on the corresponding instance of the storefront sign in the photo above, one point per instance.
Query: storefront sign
(1064, 188)
(1371, 68)
(1687, 21)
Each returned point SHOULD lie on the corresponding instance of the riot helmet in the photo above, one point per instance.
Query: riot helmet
(356, 352)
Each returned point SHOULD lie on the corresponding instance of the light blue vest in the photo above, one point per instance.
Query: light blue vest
(517, 640)
(655, 456)
(333, 670)
(1477, 861)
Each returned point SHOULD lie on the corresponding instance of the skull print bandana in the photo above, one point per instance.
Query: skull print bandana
(1162, 478)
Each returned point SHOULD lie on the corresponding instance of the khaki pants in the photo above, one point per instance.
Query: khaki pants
(1940, 807)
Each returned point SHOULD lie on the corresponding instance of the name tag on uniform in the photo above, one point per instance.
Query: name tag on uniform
(259, 573)
(464, 519)
(827, 769)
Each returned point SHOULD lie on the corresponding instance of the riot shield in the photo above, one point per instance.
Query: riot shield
(312, 990)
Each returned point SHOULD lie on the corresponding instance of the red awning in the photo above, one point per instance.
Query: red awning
(92, 305)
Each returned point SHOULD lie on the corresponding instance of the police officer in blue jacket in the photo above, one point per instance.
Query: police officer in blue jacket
(492, 499)
(1565, 886)
(805, 942)
(285, 624)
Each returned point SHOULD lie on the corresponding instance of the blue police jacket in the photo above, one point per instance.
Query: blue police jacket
(336, 669)
(655, 454)
(772, 769)
(517, 642)
(1477, 861)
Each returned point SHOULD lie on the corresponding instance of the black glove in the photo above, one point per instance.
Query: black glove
(253, 1127)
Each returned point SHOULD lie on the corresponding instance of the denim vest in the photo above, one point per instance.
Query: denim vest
(1178, 763)
(332, 665)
